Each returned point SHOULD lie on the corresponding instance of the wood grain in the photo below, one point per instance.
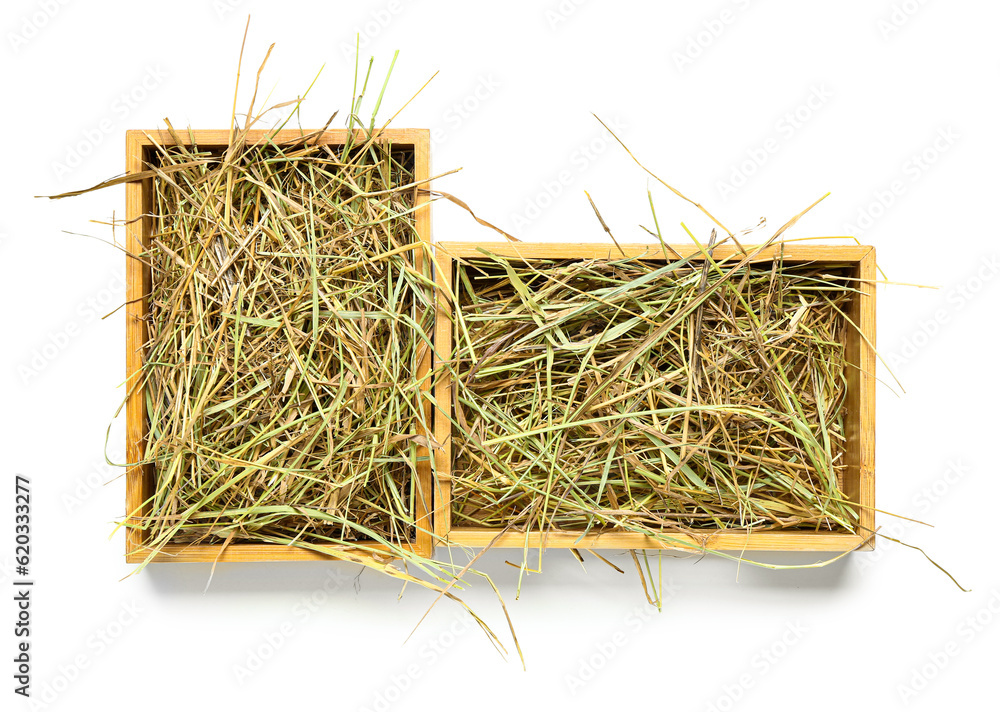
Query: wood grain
(443, 394)
(859, 424)
(423, 501)
(717, 540)
(138, 478)
(794, 252)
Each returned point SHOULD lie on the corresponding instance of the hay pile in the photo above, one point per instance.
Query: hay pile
(622, 393)
(287, 321)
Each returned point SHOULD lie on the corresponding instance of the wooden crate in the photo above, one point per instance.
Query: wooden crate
(140, 479)
(859, 480)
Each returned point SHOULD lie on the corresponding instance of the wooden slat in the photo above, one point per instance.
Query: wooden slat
(220, 137)
(794, 252)
(713, 540)
(181, 553)
(138, 482)
(425, 474)
(860, 419)
(443, 394)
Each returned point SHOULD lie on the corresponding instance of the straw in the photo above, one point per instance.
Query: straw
(576, 410)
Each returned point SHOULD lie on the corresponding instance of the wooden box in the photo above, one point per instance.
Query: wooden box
(859, 426)
(140, 479)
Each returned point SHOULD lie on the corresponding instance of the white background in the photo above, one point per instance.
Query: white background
(752, 108)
